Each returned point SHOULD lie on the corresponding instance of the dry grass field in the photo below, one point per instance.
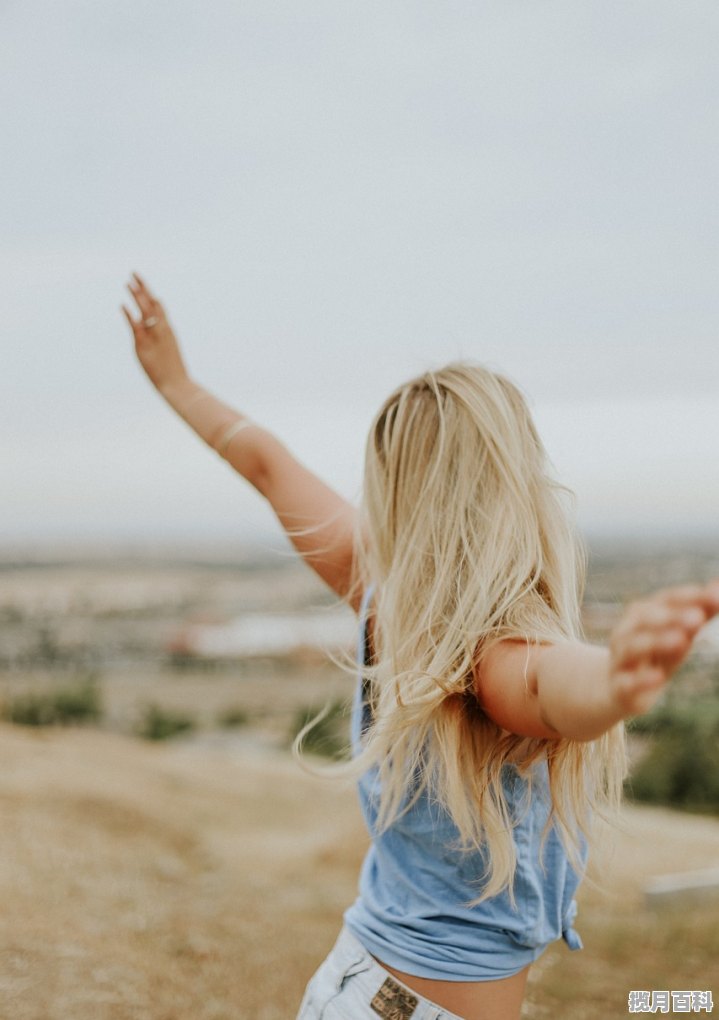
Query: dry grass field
(181, 882)
(204, 878)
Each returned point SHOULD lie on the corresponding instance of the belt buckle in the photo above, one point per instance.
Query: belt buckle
(393, 1002)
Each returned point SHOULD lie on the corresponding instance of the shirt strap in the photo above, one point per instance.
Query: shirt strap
(364, 650)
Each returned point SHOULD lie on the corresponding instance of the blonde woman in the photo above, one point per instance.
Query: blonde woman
(486, 732)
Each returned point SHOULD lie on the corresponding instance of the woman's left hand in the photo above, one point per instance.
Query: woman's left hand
(653, 638)
(156, 345)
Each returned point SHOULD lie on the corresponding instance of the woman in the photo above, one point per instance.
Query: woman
(486, 732)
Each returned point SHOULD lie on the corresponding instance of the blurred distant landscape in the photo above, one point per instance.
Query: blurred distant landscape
(200, 640)
(240, 641)
(162, 856)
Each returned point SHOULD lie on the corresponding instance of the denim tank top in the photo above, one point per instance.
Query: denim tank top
(412, 911)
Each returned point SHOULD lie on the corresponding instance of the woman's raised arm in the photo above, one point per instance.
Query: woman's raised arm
(320, 523)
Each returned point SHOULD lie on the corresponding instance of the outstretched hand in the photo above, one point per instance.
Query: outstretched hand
(155, 342)
(653, 638)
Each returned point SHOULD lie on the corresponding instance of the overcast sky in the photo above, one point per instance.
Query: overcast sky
(330, 197)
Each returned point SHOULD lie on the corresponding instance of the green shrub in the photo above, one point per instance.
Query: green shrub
(329, 736)
(76, 703)
(31, 709)
(698, 717)
(681, 767)
(160, 724)
(232, 716)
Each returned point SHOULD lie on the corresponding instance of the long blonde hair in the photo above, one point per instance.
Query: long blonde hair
(467, 541)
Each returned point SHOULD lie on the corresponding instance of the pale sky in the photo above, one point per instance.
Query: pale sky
(331, 197)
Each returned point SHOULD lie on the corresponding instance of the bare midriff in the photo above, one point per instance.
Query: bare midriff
(472, 1000)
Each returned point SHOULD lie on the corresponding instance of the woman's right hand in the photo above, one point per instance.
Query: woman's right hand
(155, 342)
(653, 638)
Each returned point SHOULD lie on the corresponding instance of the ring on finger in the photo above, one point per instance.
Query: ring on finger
(150, 321)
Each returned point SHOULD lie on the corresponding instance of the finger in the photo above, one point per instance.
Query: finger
(689, 618)
(128, 316)
(649, 678)
(141, 284)
(681, 592)
(667, 611)
(703, 596)
(142, 301)
(655, 645)
(654, 616)
(637, 691)
(144, 289)
(650, 615)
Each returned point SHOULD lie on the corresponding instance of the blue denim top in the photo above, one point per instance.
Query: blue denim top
(412, 911)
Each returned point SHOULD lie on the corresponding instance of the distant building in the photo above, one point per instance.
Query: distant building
(265, 635)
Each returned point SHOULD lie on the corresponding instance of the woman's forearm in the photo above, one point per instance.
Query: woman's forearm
(572, 681)
(202, 411)
(212, 420)
(320, 524)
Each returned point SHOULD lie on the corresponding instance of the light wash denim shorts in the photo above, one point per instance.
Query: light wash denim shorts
(351, 985)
